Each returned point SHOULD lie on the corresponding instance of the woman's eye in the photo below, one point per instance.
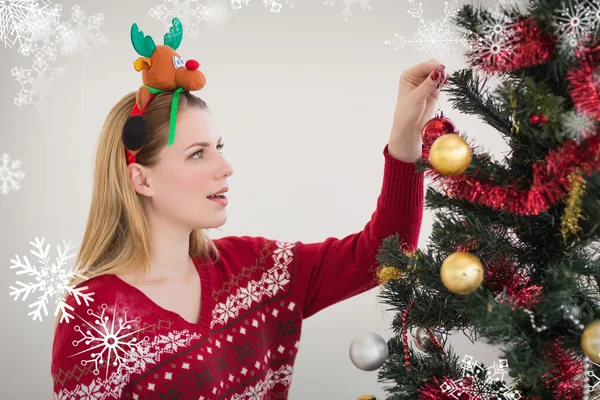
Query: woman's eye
(201, 151)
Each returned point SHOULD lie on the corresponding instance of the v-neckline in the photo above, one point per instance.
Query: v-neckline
(206, 300)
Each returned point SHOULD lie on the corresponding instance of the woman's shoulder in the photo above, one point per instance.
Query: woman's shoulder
(91, 298)
(115, 322)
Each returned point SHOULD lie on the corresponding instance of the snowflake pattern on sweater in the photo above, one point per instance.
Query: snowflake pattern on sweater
(253, 302)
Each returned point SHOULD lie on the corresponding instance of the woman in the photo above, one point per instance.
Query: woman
(178, 315)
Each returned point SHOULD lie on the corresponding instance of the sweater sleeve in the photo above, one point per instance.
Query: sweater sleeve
(337, 269)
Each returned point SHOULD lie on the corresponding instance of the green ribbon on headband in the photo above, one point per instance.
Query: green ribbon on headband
(173, 120)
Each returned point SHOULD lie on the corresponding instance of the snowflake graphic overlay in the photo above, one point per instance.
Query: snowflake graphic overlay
(347, 11)
(591, 380)
(574, 22)
(10, 174)
(219, 13)
(36, 83)
(478, 383)
(275, 6)
(578, 126)
(51, 279)
(47, 43)
(20, 19)
(191, 13)
(105, 340)
(81, 33)
(498, 43)
(238, 4)
(433, 37)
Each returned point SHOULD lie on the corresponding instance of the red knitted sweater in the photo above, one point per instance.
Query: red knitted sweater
(254, 299)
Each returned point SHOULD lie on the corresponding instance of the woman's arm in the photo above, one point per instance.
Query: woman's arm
(337, 269)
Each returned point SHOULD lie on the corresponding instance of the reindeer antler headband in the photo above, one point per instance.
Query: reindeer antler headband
(163, 70)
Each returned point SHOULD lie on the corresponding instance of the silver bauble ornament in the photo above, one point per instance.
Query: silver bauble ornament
(368, 351)
(422, 338)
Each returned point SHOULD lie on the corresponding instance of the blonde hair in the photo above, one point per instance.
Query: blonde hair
(117, 237)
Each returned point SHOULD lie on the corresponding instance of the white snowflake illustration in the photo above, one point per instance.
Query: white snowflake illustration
(55, 38)
(80, 33)
(36, 83)
(273, 5)
(498, 41)
(494, 48)
(591, 381)
(238, 4)
(347, 11)
(10, 174)
(51, 279)
(578, 126)
(433, 37)
(574, 22)
(44, 43)
(191, 13)
(219, 13)
(501, 29)
(479, 383)
(20, 19)
(111, 341)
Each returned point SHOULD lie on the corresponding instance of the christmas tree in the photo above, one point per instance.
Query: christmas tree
(511, 259)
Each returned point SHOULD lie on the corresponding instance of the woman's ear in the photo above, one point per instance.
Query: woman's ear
(140, 179)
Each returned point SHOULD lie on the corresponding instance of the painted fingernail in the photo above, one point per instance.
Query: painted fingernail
(435, 75)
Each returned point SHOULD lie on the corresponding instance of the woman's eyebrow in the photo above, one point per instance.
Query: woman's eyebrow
(204, 144)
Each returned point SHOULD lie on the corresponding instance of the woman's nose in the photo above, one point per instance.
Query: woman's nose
(228, 168)
(192, 65)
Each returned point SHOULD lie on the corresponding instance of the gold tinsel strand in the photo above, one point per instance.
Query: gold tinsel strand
(573, 212)
(387, 274)
(513, 103)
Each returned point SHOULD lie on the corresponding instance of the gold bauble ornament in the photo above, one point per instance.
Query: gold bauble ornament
(462, 273)
(590, 341)
(366, 397)
(450, 154)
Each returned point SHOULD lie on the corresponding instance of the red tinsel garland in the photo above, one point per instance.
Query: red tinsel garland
(522, 45)
(501, 274)
(550, 181)
(565, 379)
(584, 83)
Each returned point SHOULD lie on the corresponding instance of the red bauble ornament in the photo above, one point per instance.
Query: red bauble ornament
(534, 119)
(434, 128)
(544, 119)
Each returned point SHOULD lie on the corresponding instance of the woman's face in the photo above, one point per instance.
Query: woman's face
(189, 171)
